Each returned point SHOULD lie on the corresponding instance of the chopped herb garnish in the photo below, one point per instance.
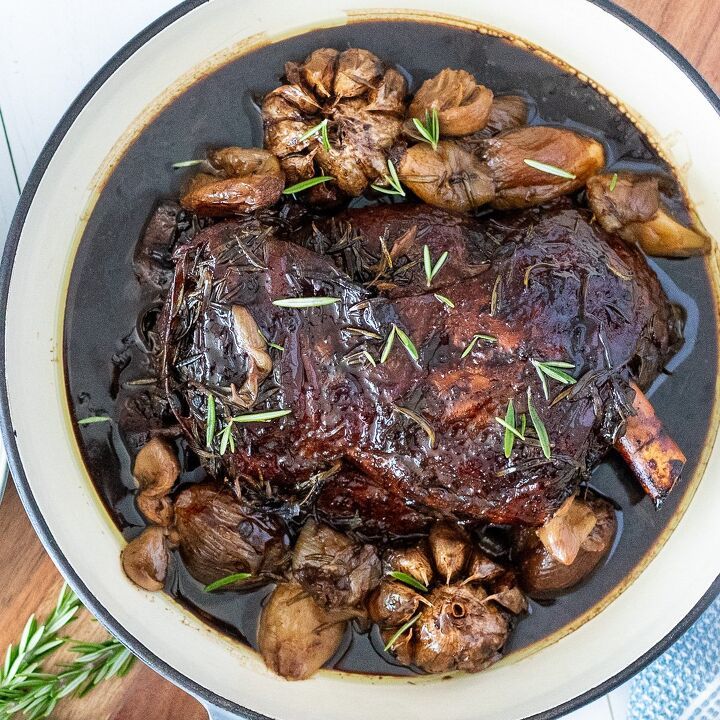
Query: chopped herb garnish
(509, 439)
(226, 438)
(432, 270)
(551, 368)
(444, 300)
(613, 182)
(210, 429)
(510, 428)
(392, 184)
(408, 580)
(420, 420)
(407, 342)
(186, 163)
(270, 344)
(430, 129)
(94, 419)
(306, 184)
(305, 302)
(539, 427)
(473, 341)
(227, 580)
(260, 416)
(388, 344)
(321, 131)
(495, 296)
(550, 169)
(401, 631)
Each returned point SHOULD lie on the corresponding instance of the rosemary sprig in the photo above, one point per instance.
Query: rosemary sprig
(444, 300)
(510, 428)
(552, 369)
(430, 129)
(392, 184)
(305, 302)
(408, 580)
(401, 631)
(227, 580)
(549, 169)
(539, 427)
(613, 182)
(226, 435)
(321, 130)
(479, 336)
(186, 163)
(94, 419)
(211, 421)
(306, 184)
(419, 419)
(432, 270)
(24, 687)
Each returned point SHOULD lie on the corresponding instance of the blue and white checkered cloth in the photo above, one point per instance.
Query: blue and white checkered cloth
(684, 682)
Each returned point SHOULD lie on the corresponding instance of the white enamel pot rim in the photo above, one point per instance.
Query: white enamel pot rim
(594, 36)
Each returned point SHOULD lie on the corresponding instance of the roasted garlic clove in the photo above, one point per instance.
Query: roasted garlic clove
(463, 105)
(450, 548)
(449, 177)
(629, 205)
(518, 184)
(156, 468)
(218, 536)
(247, 179)
(334, 570)
(296, 636)
(413, 561)
(393, 604)
(563, 534)
(459, 630)
(145, 559)
(251, 341)
(543, 576)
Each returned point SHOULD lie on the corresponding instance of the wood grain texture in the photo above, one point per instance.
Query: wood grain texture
(81, 35)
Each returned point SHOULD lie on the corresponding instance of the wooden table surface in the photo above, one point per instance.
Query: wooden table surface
(28, 579)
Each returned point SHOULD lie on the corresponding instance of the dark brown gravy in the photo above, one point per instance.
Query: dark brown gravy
(104, 300)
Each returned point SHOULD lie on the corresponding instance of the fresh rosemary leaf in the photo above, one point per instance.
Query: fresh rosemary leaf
(306, 184)
(539, 427)
(225, 437)
(363, 332)
(473, 341)
(94, 419)
(408, 580)
(551, 368)
(509, 440)
(186, 163)
(369, 358)
(510, 428)
(305, 302)
(430, 129)
(260, 416)
(270, 344)
(392, 184)
(613, 182)
(407, 342)
(211, 420)
(388, 344)
(432, 270)
(523, 424)
(420, 420)
(227, 580)
(549, 169)
(321, 131)
(401, 631)
(444, 300)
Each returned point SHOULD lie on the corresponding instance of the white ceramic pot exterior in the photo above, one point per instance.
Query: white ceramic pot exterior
(54, 480)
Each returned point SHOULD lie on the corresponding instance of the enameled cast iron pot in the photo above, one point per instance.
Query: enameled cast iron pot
(640, 619)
